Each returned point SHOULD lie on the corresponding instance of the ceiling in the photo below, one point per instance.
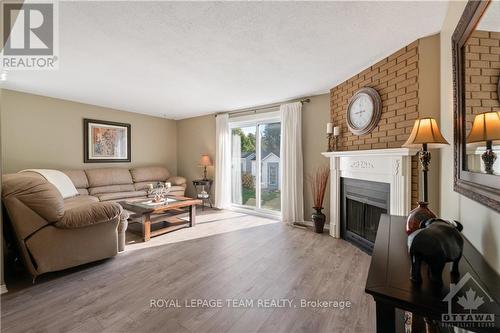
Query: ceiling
(183, 59)
(490, 21)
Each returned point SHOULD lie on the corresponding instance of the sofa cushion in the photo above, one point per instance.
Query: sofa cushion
(57, 178)
(78, 177)
(36, 192)
(148, 174)
(177, 190)
(111, 189)
(89, 214)
(82, 191)
(143, 186)
(108, 176)
(79, 200)
(121, 195)
(177, 180)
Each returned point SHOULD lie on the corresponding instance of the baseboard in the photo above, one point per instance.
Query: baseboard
(311, 224)
(256, 213)
(3, 289)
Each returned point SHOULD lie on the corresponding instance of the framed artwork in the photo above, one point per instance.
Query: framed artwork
(105, 141)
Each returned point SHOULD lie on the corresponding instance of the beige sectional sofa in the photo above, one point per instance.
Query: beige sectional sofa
(115, 184)
(55, 233)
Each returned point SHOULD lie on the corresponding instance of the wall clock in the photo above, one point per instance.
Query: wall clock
(364, 111)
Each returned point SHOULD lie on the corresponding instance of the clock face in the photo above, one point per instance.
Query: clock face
(364, 111)
(361, 111)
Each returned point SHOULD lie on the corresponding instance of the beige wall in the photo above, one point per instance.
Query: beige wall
(196, 136)
(428, 106)
(481, 225)
(43, 132)
(30, 141)
(315, 116)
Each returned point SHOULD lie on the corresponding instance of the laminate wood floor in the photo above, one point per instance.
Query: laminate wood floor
(226, 256)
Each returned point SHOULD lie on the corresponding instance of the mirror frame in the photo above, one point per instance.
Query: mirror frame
(479, 187)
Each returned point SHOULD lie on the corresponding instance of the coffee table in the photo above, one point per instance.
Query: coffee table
(148, 213)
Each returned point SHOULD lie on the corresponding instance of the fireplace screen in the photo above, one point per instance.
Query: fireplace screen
(363, 202)
(362, 219)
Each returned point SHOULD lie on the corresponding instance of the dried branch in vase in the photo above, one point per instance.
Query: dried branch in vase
(318, 182)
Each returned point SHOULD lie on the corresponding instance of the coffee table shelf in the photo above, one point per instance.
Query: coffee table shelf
(167, 214)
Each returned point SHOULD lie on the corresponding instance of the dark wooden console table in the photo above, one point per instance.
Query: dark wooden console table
(389, 284)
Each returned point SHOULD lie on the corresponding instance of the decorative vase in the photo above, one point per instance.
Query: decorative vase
(419, 214)
(319, 220)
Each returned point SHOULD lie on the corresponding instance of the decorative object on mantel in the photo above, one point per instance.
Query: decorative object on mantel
(364, 111)
(329, 135)
(318, 183)
(205, 162)
(486, 127)
(332, 135)
(436, 242)
(425, 133)
(336, 134)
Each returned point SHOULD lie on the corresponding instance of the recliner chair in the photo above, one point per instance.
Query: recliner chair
(55, 233)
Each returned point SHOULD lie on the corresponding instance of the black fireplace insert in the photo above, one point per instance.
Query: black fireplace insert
(363, 202)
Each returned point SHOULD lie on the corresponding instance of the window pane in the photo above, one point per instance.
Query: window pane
(243, 170)
(270, 138)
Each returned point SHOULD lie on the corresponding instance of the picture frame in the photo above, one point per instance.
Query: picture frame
(106, 141)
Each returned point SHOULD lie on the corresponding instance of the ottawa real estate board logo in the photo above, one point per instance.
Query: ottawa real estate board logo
(469, 305)
(29, 35)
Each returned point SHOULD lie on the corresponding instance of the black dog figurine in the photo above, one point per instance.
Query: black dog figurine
(436, 242)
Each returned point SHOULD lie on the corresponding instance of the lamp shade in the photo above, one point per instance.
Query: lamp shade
(486, 127)
(425, 131)
(205, 161)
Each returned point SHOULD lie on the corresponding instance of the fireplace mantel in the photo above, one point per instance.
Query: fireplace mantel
(391, 166)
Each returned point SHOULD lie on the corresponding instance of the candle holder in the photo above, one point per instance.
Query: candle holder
(330, 142)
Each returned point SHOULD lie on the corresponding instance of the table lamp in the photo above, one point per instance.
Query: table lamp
(486, 127)
(204, 162)
(425, 134)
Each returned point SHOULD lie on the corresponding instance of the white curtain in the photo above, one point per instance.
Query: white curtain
(222, 162)
(292, 198)
(236, 170)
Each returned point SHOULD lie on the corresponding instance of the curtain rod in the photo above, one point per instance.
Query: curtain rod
(255, 110)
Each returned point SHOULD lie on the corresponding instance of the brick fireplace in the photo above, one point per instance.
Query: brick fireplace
(385, 166)
(408, 84)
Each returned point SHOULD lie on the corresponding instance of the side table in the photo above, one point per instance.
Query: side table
(203, 188)
(389, 283)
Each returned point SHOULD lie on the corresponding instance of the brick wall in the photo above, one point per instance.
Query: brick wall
(396, 80)
(482, 71)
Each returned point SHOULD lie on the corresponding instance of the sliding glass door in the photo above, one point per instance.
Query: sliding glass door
(256, 164)
(243, 170)
(270, 187)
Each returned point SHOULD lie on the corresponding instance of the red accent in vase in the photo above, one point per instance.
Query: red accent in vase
(419, 214)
